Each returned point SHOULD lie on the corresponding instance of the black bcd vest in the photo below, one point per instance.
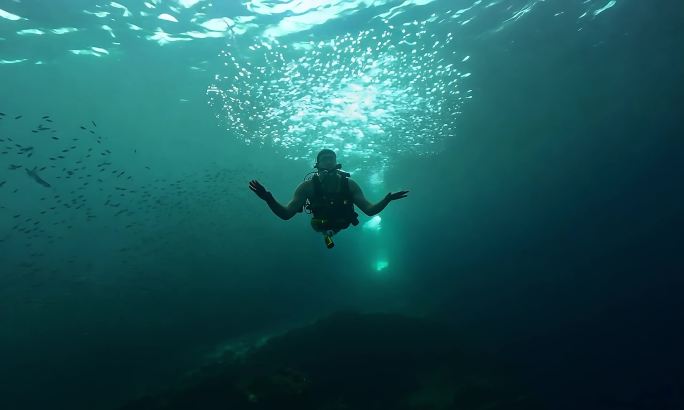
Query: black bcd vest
(332, 210)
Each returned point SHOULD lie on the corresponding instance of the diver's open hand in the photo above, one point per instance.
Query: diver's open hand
(396, 195)
(259, 189)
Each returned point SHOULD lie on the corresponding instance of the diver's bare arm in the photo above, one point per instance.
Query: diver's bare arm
(375, 209)
(279, 210)
(363, 204)
(287, 212)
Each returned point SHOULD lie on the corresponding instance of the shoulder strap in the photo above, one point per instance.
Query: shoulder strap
(317, 186)
(345, 186)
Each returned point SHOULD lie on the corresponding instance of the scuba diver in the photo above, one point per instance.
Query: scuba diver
(330, 195)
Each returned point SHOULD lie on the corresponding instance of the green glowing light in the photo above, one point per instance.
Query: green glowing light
(380, 265)
(373, 224)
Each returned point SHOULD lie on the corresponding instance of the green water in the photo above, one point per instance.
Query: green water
(538, 141)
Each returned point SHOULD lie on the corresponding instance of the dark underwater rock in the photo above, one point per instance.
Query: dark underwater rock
(351, 361)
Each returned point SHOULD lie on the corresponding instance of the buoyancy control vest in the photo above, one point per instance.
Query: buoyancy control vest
(332, 210)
